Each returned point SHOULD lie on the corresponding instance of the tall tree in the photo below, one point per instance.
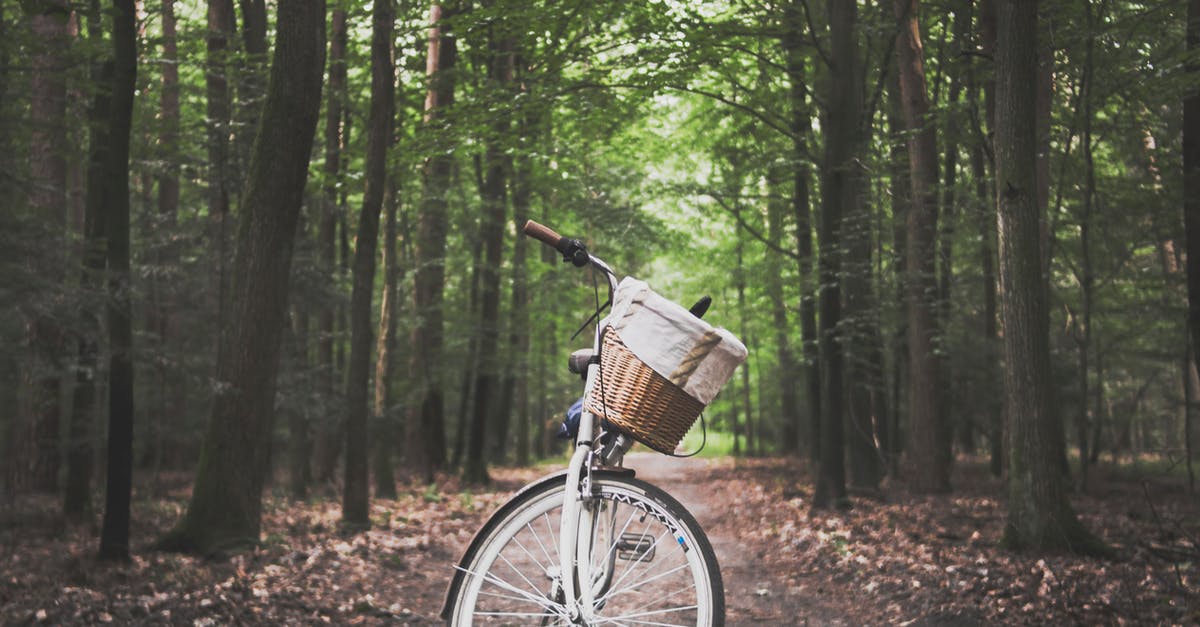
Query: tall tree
(898, 190)
(789, 403)
(801, 128)
(964, 426)
(491, 235)
(221, 28)
(385, 350)
(299, 445)
(1191, 175)
(162, 316)
(986, 193)
(356, 490)
(1040, 516)
(516, 383)
(50, 21)
(929, 448)
(252, 65)
(864, 375)
(517, 378)
(77, 495)
(841, 145)
(1086, 274)
(114, 535)
(226, 505)
(329, 440)
(426, 437)
(740, 286)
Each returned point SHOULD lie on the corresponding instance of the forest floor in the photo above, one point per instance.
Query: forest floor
(894, 558)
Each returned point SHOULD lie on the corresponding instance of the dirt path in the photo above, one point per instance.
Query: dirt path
(896, 558)
(755, 593)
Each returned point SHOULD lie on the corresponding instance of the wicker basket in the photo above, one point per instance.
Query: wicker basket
(639, 401)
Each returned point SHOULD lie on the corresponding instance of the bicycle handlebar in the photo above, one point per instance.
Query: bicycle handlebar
(544, 233)
(572, 250)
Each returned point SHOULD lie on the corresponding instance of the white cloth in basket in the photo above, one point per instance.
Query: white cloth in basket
(684, 349)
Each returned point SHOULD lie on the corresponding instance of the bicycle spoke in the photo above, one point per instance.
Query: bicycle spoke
(681, 608)
(515, 614)
(635, 564)
(660, 599)
(645, 581)
(549, 560)
(613, 546)
(505, 596)
(520, 574)
(533, 598)
(531, 557)
(553, 539)
(647, 622)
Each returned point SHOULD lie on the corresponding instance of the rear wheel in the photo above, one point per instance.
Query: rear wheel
(651, 562)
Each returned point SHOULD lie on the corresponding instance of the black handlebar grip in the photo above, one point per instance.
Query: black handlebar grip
(701, 306)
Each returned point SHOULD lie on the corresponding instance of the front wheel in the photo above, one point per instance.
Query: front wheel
(651, 563)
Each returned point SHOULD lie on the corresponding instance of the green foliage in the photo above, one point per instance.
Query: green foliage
(432, 494)
(650, 131)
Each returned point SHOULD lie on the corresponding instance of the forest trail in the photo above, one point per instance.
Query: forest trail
(894, 558)
(755, 594)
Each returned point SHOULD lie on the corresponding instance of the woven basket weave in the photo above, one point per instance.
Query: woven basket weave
(638, 400)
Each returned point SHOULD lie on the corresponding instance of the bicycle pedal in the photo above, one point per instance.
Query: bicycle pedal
(635, 547)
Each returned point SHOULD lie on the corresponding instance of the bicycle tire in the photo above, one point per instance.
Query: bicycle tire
(494, 582)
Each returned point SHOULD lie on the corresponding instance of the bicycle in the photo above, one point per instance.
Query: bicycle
(594, 545)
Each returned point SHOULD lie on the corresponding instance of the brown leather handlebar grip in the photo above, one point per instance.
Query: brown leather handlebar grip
(542, 232)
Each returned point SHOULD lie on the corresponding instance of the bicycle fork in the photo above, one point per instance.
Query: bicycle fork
(575, 533)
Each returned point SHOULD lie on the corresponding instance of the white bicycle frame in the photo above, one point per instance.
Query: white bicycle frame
(575, 534)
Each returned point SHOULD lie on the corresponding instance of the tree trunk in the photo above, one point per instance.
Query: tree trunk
(114, 535)
(385, 351)
(801, 128)
(929, 446)
(356, 489)
(466, 388)
(522, 193)
(862, 343)
(842, 145)
(48, 146)
(1087, 279)
(163, 319)
(1191, 176)
(786, 369)
(328, 445)
(988, 228)
(863, 377)
(251, 80)
(1102, 406)
(751, 443)
(426, 440)
(898, 187)
(1189, 399)
(986, 225)
(217, 113)
(964, 425)
(80, 458)
(226, 504)
(1040, 516)
(734, 420)
(491, 235)
(299, 436)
